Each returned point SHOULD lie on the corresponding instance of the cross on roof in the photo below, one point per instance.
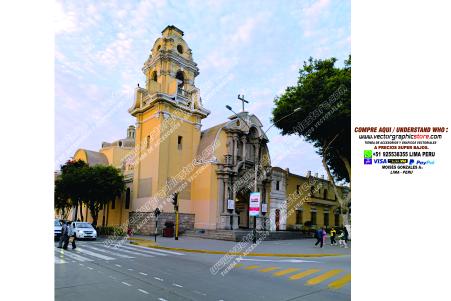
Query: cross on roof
(241, 97)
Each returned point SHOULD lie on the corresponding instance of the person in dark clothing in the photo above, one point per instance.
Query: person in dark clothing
(65, 234)
(63, 229)
(319, 237)
(346, 235)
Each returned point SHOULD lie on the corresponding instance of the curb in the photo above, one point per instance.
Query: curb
(150, 244)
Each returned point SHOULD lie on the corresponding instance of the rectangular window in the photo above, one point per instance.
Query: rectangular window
(127, 199)
(179, 142)
(313, 217)
(337, 220)
(298, 217)
(277, 185)
(298, 188)
(113, 204)
(326, 218)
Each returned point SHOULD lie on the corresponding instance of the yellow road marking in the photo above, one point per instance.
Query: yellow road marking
(252, 267)
(238, 265)
(323, 277)
(304, 274)
(150, 244)
(340, 282)
(284, 272)
(269, 269)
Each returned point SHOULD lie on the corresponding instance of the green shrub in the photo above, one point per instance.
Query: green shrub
(110, 230)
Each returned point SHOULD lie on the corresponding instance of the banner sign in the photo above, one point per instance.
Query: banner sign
(254, 204)
(230, 204)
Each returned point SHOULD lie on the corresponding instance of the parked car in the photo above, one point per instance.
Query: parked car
(84, 230)
(58, 227)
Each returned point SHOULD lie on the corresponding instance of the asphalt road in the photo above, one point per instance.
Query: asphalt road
(95, 272)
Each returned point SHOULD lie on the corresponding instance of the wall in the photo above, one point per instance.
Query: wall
(144, 223)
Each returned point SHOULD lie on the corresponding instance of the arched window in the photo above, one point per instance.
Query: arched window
(180, 49)
(127, 199)
(181, 77)
(154, 76)
(148, 142)
(325, 194)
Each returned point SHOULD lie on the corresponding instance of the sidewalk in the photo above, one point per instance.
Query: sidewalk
(279, 248)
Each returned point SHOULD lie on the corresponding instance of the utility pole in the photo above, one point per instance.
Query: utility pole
(156, 214)
(254, 230)
(176, 210)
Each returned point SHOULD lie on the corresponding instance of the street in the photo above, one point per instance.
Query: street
(94, 271)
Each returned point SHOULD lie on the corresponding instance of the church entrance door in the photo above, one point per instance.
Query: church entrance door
(242, 209)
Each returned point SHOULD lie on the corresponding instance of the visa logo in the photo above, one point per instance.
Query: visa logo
(380, 161)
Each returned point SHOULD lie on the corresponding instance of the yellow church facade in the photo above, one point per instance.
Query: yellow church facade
(212, 171)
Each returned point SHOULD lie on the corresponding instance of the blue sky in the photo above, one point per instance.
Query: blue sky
(253, 48)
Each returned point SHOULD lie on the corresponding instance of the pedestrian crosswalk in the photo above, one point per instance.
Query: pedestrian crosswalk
(334, 279)
(86, 252)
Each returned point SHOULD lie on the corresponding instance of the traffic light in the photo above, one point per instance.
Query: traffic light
(175, 199)
(157, 212)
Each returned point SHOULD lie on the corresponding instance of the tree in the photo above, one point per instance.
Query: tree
(105, 184)
(62, 201)
(74, 183)
(322, 100)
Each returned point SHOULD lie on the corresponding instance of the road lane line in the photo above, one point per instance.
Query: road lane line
(323, 277)
(159, 279)
(304, 274)
(110, 252)
(156, 249)
(143, 291)
(268, 269)
(75, 256)
(161, 299)
(339, 283)
(118, 265)
(104, 257)
(90, 268)
(177, 285)
(130, 269)
(141, 251)
(128, 251)
(252, 267)
(284, 272)
(59, 260)
(143, 273)
(238, 265)
(127, 284)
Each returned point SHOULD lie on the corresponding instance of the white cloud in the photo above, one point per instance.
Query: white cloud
(316, 8)
(65, 22)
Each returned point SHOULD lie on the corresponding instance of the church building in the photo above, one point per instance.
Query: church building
(167, 153)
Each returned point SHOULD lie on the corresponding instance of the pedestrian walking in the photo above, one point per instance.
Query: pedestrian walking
(72, 236)
(324, 235)
(346, 235)
(65, 235)
(319, 237)
(341, 240)
(63, 229)
(333, 233)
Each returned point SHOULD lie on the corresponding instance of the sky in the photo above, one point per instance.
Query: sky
(245, 47)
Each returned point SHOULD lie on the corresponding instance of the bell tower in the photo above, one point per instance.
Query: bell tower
(168, 112)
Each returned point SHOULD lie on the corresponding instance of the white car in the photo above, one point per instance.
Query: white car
(58, 227)
(84, 230)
